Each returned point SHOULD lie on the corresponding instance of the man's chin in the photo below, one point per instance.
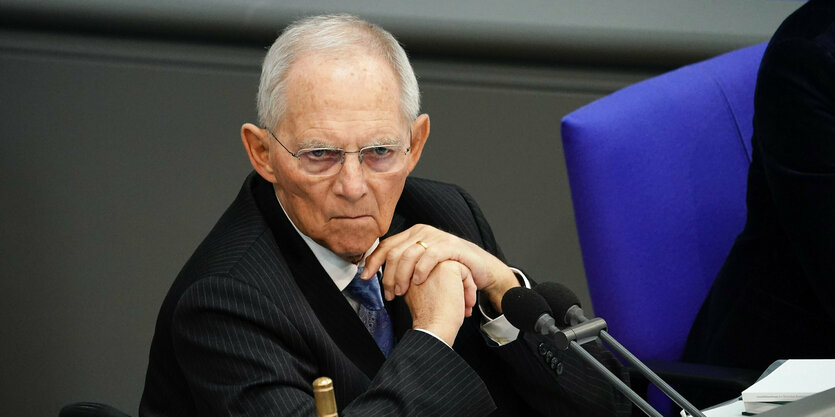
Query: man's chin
(354, 259)
(352, 253)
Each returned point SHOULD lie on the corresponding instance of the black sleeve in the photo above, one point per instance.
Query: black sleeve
(242, 357)
(795, 125)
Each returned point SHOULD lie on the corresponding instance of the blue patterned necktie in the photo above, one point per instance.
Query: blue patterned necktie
(372, 313)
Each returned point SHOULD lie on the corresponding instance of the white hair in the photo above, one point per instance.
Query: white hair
(331, 34)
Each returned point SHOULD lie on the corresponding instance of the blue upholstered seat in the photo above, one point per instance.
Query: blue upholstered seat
(658, 179)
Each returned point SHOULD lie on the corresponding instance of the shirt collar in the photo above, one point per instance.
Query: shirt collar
(339, 270)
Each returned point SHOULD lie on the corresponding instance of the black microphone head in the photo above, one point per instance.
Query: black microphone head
(558, 297)
(523, 307)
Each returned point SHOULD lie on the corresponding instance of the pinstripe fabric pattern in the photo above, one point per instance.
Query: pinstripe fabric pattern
(251, 321)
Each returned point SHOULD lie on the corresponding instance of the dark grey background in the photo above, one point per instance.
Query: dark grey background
(119, 146)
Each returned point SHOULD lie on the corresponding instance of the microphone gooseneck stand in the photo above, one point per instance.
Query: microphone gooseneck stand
(619, 385)
(571, 337)
(527, 310)
(559, 297)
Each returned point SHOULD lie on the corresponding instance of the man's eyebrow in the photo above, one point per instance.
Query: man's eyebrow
(386, 140)
(315, 143)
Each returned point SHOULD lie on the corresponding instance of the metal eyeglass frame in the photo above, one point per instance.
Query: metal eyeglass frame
(344, 152)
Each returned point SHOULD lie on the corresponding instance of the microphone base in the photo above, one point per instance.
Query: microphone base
(584, 332)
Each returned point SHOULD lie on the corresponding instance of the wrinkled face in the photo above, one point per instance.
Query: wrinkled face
(347, 103)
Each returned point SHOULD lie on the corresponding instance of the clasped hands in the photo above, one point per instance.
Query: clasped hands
(438, 274)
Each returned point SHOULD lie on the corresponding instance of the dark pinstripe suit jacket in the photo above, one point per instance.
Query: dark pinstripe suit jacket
(253, 319)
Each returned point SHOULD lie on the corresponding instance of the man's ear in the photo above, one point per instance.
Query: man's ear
(420, 133)
(257, 144)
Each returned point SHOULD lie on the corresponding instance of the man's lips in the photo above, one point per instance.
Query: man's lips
(362, 216)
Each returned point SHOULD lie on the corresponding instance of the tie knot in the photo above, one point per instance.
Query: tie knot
(367, 293)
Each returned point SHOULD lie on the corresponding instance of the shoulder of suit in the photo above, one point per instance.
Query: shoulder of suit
(233, 238)
(423, 185)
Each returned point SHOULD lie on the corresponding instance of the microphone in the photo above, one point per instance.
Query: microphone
(567, 305)
(563, 302)
(527, 310)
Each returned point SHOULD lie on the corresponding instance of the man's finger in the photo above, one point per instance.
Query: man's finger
(380, 255)
(406, 268)
(470, 294)
(392, 259)
(434, 255)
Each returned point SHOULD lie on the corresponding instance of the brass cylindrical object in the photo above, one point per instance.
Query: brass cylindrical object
(325, 401)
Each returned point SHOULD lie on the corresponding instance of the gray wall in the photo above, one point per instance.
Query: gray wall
(119, 147)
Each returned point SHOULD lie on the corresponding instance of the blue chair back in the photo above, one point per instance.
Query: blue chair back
(658, 179)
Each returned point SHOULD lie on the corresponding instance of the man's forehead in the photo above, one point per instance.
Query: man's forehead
(360, 94)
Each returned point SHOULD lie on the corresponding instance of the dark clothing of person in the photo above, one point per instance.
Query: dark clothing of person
(773, 298)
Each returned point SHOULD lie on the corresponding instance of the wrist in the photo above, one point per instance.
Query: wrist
(499, 287)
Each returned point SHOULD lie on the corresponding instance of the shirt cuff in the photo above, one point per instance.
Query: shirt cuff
(499, 329)
(434, 335)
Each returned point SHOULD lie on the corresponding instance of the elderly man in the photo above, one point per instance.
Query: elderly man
(286, 287)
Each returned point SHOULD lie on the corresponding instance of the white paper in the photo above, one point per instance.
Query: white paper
(793, 380)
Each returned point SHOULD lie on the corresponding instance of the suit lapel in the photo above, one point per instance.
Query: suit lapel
(330, 306)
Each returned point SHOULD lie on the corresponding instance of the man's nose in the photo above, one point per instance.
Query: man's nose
(350, 181)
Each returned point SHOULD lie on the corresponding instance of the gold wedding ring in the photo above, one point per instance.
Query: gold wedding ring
(420, 242)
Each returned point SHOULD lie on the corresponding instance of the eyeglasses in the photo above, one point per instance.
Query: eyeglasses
(325, 162)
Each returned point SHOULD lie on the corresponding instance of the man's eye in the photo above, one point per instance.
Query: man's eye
(378, 151)
(322, 154)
